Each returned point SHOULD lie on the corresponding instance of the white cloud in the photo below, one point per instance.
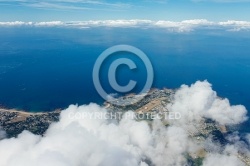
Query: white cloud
(98, 141)
(236, 25)
(15, 23)
(222, 112)
(48, 24)
(197, 22)
(199, 100)
(182, 26)
(111, 23)
(218, 159)
(93, 142)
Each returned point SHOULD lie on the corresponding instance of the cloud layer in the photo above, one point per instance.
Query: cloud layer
(199, 100)
(182, 26)
(101, 142)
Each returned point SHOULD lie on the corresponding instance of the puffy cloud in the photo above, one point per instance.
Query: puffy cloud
(15, 23)
(182, 26)
(197, 22)
(95, 140)
(20, 23)
(48, 24)
(199, 100)
(236, 25)
(109, 23)
(120, 23)
(223, 113)
(218, 159)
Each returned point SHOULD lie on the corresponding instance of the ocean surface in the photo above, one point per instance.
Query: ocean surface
(42, 69)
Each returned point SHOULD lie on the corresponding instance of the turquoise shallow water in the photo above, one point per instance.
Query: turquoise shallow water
(42, 69)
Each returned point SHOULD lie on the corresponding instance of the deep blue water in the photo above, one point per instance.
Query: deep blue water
(42, 69)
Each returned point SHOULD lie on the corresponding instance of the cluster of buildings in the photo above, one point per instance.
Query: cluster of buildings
(134, 102)
(14, 122)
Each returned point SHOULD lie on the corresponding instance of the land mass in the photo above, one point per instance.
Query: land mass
(13, 122)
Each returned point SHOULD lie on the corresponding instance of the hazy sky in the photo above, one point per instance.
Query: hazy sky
(76, 10)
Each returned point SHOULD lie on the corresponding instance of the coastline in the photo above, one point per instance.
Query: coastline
(20, 111)
(21, 115)
(14, 122)
(26, 112)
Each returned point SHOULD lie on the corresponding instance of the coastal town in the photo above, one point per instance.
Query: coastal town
(154, 102)
(14, 122)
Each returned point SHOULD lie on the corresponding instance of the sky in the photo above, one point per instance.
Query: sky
(81, 10)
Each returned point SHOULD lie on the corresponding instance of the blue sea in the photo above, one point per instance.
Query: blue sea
(42, 69)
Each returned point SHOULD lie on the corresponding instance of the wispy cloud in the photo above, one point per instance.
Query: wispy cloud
(117, 4)
(69, 4)
(54, 6)
(222, 1)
